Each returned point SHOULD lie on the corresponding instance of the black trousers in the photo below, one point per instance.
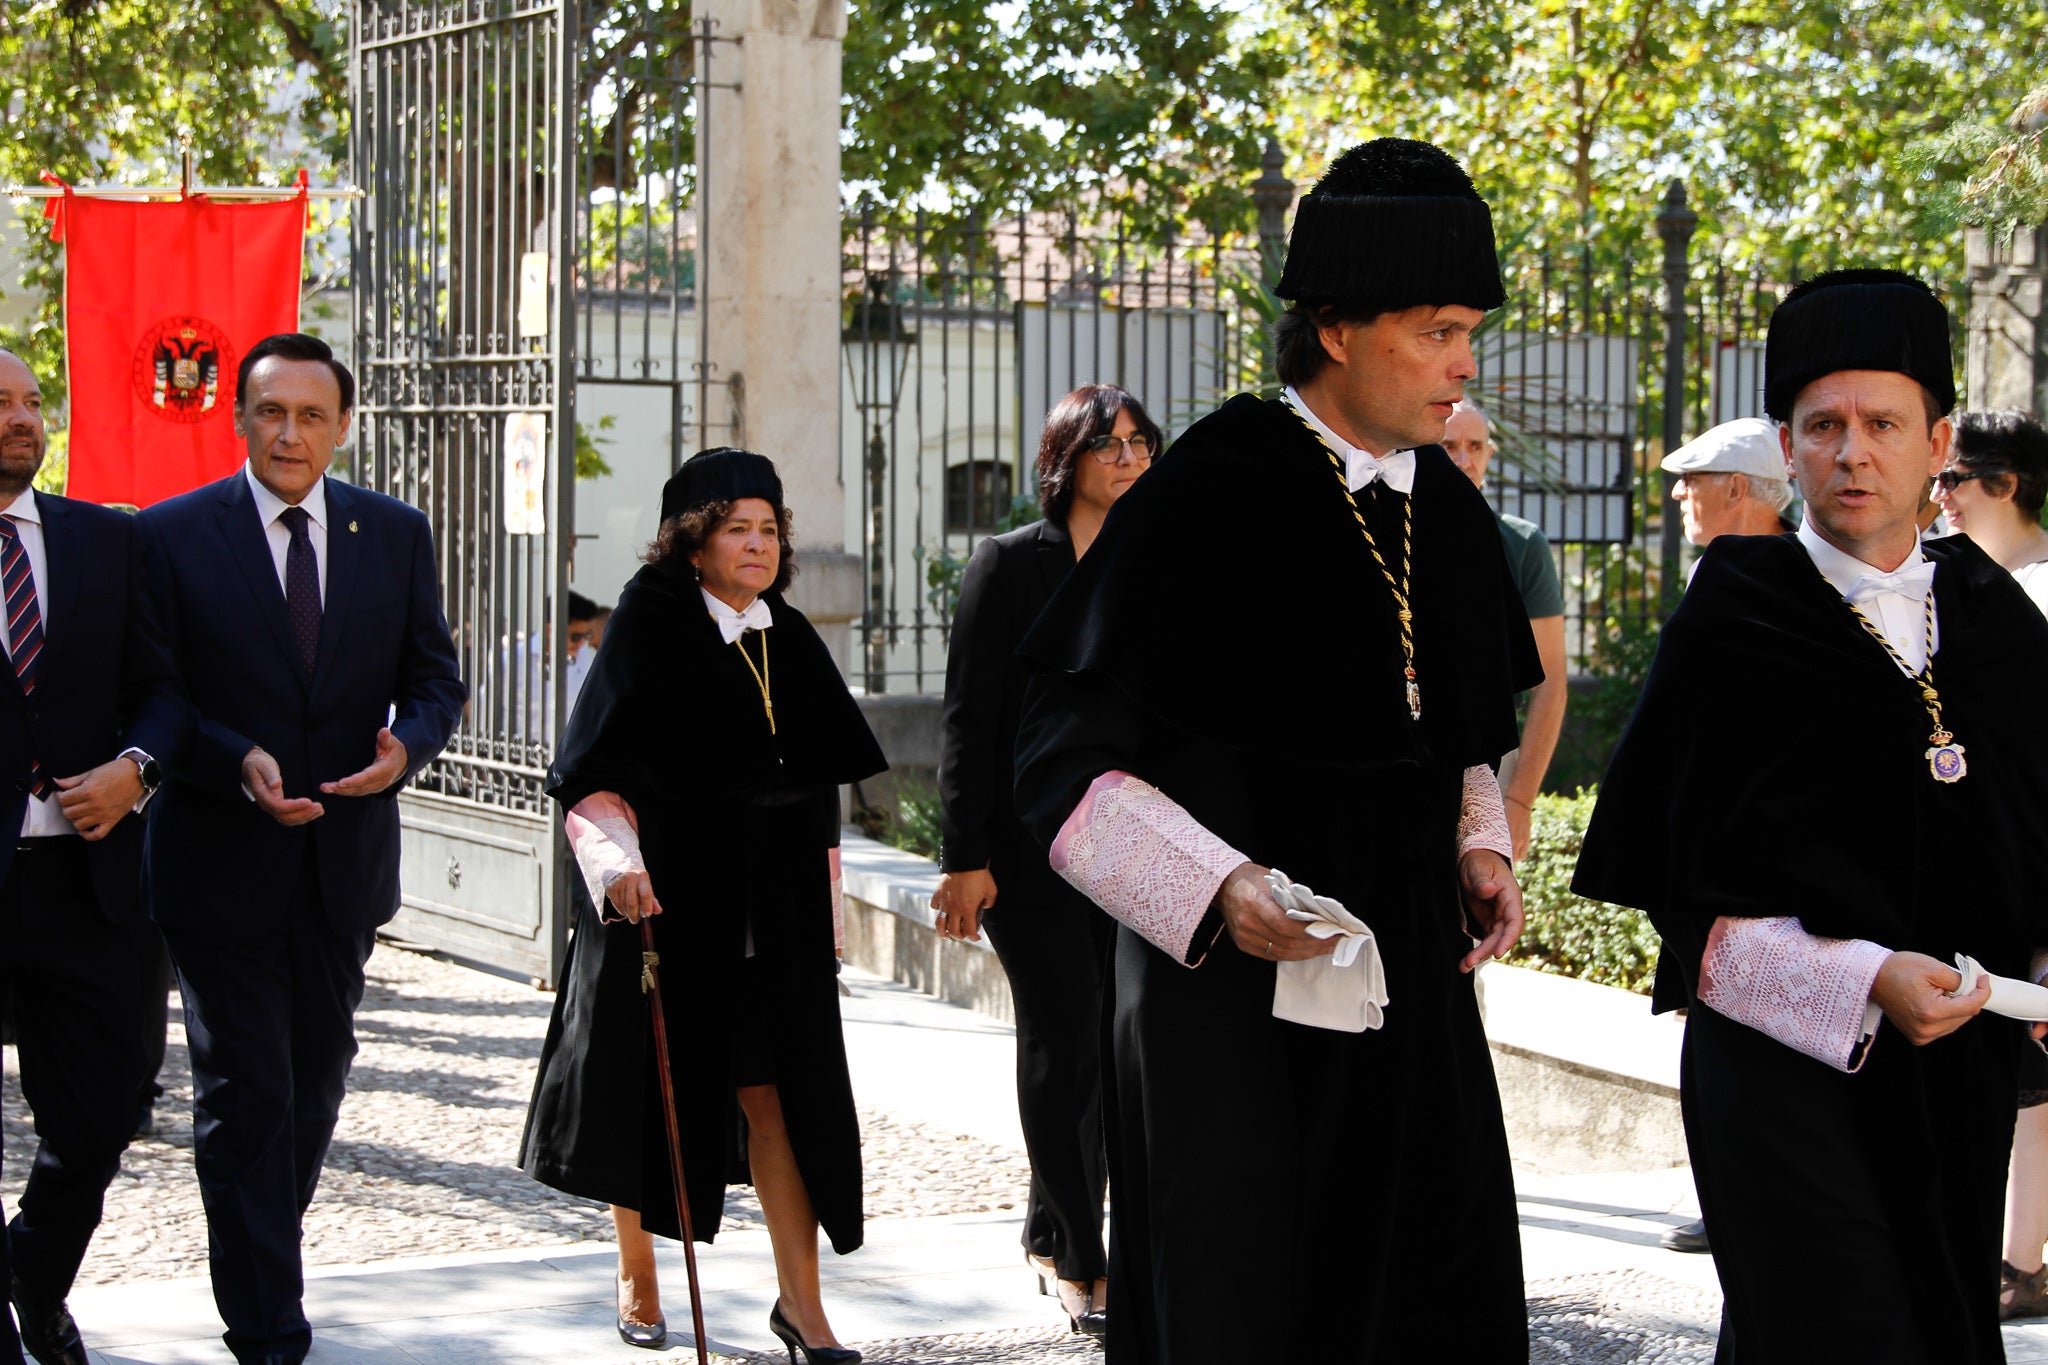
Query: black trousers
(1054, 949)
(78, 987)
(271, 1025)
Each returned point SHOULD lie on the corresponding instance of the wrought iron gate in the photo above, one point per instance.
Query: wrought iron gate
(464, 135)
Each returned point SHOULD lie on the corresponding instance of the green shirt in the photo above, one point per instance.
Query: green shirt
(1535, 571)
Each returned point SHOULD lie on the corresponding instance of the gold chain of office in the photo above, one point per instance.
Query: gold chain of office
(1944, 755)
(760, 674)
(1403, 614)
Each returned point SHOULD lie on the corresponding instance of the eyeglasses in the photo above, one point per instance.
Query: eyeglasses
(1950, 479)
(1110, 449)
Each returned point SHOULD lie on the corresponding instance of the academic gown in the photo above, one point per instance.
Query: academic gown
(735, 828)
(1229, 639)
(1776, 766)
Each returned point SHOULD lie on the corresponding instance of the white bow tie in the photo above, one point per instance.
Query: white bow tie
(1912, 583)
(1398, 469)
(733, 624)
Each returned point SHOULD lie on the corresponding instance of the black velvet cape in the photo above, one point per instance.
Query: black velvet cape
(735, 828)
(1229, 639)
(1774, 766)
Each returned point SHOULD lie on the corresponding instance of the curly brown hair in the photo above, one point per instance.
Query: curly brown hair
(684, 535)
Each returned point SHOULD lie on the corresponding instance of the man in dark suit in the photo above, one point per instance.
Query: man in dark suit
(84, 703)
(304, 620)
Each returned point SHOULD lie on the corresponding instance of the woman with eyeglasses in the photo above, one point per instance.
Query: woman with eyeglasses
(1993, 491)
(1051, 940)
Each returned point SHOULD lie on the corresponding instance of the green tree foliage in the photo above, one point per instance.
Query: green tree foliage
(1989, 174)
(1785, 119)
(101, 91)
(1151, 107)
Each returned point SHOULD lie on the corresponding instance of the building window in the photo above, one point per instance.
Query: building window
(977, 496)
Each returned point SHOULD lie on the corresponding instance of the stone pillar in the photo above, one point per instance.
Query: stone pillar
(2005, 359)
(768, 167)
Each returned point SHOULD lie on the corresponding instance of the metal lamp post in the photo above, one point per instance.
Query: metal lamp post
(877, 347)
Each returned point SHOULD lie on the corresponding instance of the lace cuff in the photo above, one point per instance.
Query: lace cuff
(1811, 994)
(1133, 850)
(1483, 817)
(838, 904)
(604, 834)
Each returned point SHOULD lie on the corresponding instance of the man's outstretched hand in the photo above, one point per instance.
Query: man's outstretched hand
(386, 768)
(266, 784)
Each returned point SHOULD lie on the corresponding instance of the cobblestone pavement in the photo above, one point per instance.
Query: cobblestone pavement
(423, 1157)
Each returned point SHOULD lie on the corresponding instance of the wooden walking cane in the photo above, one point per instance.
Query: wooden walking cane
(650, 986)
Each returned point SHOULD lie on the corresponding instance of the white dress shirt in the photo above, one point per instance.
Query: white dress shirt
(1901, 615)
(269, 505)
(1360, 467)
(43, 819)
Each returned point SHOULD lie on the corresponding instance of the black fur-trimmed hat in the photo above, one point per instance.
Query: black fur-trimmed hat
(1857, 320)
(1393, 224)
(720, 475)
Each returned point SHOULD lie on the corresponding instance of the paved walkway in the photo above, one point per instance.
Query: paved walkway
(437, 1253)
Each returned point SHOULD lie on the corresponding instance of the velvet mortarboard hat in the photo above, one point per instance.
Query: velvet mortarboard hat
(1857, 320)
(1393, 224)
(721, 475)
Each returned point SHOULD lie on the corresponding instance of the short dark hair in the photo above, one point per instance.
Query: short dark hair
(684, 534)
(1298, 353)
(296, 346)
(2006, 445)
(581, 608)
(1086, 413)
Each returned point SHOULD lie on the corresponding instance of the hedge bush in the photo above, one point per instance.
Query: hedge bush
(1566, 933)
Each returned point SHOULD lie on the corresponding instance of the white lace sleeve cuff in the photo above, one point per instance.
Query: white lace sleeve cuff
(1811, 994)
(604, 834)
(1483, 817)
(1134, 851)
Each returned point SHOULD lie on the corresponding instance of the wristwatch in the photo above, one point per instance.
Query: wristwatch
(147, 768)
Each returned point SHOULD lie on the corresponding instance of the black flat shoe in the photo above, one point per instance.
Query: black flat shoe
(645, 1334)
(1692, 1237)
(47, 1329)
(801, 1354)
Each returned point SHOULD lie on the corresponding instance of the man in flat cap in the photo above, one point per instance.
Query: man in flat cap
(1732, 481)
(1295, 650)
(1848, 1098)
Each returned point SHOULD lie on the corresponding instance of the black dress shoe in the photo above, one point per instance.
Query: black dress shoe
(1691, 1237)
(649, 1334)
(802, 1354)
(47, 1330)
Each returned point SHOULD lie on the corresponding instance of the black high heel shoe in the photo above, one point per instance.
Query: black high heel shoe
(649, 1334)
(1076, 1300)
(801, 1353)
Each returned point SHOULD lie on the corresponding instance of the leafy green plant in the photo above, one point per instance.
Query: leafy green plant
(1610, 945)
(943, 569)
(590, 462)
(912, 826)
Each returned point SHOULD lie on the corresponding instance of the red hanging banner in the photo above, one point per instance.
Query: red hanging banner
(161, 300)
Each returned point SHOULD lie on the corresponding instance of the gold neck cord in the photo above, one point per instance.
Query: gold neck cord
(760, 674)
(1402, 613)
(1945, 756)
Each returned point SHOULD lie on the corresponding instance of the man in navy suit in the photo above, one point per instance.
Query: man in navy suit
(84, 702)
(304, 621)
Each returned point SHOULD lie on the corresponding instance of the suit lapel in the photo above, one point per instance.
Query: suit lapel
(60, 557)
(1055, 555)
(343, 560)
(250, 550)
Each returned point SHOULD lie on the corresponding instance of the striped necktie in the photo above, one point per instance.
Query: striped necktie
(24, 629)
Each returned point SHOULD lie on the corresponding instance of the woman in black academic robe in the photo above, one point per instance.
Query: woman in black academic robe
(700, 773)
(1052, 941)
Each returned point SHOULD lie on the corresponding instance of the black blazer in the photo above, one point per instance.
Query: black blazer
(215, 862)
(102, 685)
(1008, 581)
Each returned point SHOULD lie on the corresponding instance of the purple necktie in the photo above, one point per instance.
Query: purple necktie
(302, 587)
(24, 629)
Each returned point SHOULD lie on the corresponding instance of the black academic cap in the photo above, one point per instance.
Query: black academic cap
(720, 475)
(1393, 224)
(1857, 320)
